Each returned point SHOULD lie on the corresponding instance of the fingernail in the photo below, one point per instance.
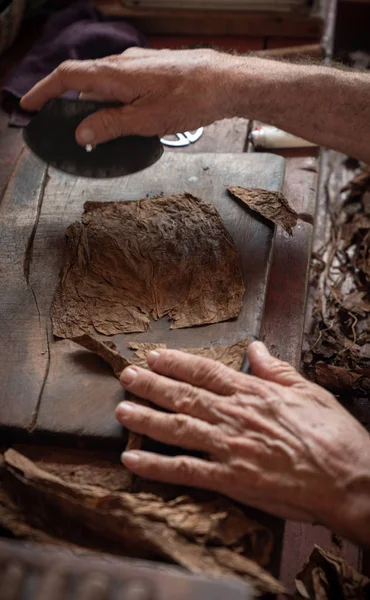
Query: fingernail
(128, 375)
(260, 349)
(130, 459)
(86, 136)
(125, 410)
(152, 357)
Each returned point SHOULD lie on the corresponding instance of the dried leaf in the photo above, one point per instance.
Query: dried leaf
(130, 261)
(340, 379)
(329, 577)
(211, 537)
(271, 205)
(231, 355)
(106, 350)
(339, 340)
(356, 302)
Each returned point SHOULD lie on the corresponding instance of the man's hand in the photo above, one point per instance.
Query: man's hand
(163, 91)
(275, 441)
(167, 91)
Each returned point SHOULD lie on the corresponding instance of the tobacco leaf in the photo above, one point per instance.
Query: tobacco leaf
(339, 379)
(210, 537)
(357, 302)
(329, 577)
(106, 350)
(231, 355)
(271, 205)
(338, 354)
(128, 262)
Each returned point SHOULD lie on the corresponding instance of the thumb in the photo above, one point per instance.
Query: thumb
(265, 366)
(110, 123)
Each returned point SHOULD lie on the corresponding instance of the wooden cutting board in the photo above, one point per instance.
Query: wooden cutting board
(53, 386)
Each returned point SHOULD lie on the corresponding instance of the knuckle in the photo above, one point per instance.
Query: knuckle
(186, 399)
(169, 361)
(66, 67)
(133, 51)
(184, 469)
(211, 371)
(281, 367)
(181, 426)
(147, 384)
(110, 122)
(144, 419)
(274, 403)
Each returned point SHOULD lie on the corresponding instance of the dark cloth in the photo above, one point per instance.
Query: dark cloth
(80, 32)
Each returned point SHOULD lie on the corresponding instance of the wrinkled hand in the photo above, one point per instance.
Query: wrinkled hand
(276, 441)
(164, 91)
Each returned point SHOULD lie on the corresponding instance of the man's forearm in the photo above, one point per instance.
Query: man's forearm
(326, 105)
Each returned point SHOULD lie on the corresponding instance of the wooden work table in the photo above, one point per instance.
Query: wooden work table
(285, 299)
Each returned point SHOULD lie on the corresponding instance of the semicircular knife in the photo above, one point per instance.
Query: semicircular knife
(51, 136)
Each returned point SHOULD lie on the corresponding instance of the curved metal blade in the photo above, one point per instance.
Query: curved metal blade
(51, 136)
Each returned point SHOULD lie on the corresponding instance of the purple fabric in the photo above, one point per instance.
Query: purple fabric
(77, 32)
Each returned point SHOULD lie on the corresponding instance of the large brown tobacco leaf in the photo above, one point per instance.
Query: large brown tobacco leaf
(212, 536)
(232, 356)
(329, 577)
(271, 205)
(339, 342)
(129, 261)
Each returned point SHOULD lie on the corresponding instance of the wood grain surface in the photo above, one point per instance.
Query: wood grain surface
(23, 339)
(228, 135)
(74, 390)
(217, 22)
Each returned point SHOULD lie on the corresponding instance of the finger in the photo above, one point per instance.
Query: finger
(174, 429)
(72, 75)
(180, 470)
(173, 395)
(110, 123)
(196, 370)
(267, 367)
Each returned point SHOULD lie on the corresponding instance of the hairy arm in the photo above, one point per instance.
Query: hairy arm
(326, 105)
(166, 91)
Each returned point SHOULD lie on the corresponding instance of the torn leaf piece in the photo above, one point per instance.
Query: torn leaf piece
(211, 537)
(128, 262)
(231, 356)
(329, 577)
(106, 350)
(271, 205)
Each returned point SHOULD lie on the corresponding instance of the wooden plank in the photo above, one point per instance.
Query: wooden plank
(293, 52)
(285, 311)
(217, 22)
(221, 42)
(80, 393)
(22, 327)
(74, 572)
(287, 287)
(11, 145)
(228, 135)
(11, 141)
(274, 43)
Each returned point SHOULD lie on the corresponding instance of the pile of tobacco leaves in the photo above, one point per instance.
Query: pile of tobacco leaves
(338, 355)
